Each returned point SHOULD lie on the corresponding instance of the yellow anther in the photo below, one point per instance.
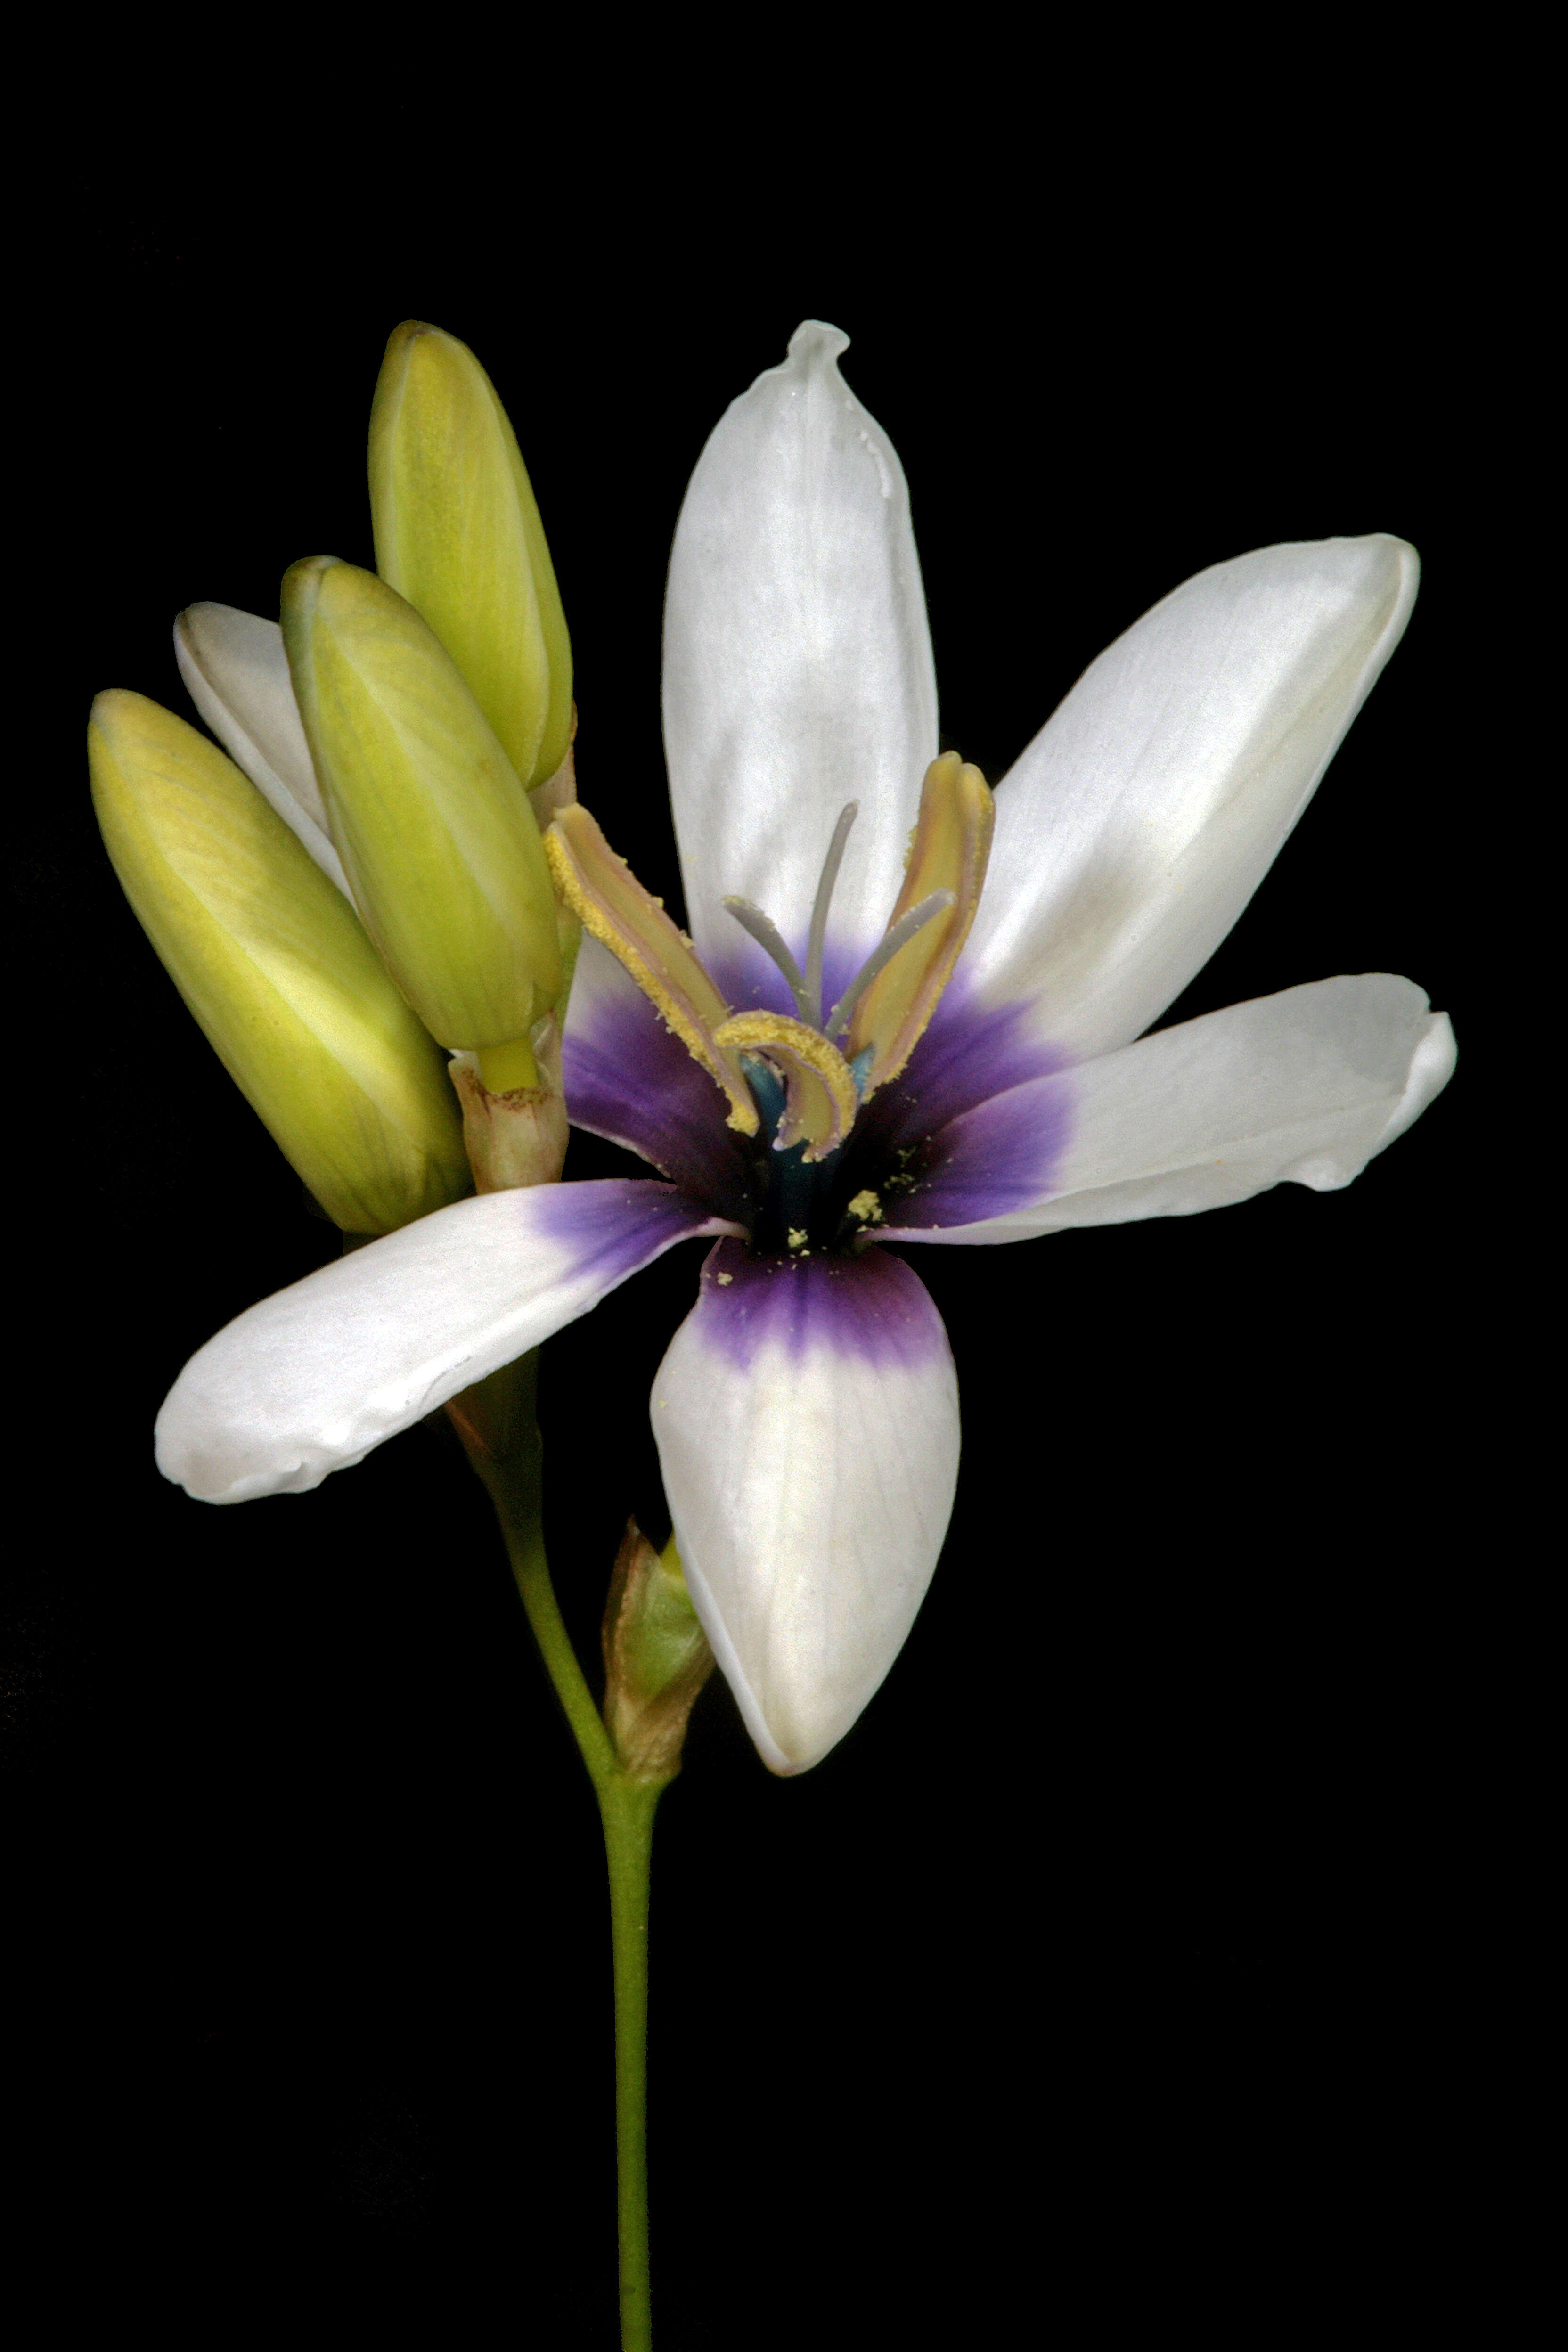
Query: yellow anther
(951, 844)
(607, 898)
(819, 1091)
(867, 1207)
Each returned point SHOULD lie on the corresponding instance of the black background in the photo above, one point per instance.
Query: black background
(1112, 1974)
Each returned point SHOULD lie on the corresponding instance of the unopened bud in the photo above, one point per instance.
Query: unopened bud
(275, 965)
(656, 1657)
(236, 673)
(435, 831)
(457, 534)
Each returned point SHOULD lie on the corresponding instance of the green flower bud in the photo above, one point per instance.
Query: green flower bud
(656, 1657)
(437, 838)
(457, 532)
(276, 967)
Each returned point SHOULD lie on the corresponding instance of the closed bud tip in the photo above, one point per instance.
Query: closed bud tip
(457, 534)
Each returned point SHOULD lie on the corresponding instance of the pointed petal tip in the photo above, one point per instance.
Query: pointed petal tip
(1135, 827)
(109, 702)
(814, 339)
(797, 661)
(1303, 1087)
(1399, 547)
(779, 1762)
(1402, 559)
(193, 627)
(1432, 1065)
(1379, 568)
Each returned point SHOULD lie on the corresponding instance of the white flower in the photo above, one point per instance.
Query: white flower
(993, 1084)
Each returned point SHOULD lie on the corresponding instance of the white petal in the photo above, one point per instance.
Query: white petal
(1303, 1087)
(309, 1380)
(236, 673)
(797, 665)
(807, 1416)
(1135, 827)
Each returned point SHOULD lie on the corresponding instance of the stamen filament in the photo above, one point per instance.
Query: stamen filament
(823, 900)
(769, 938)
(899, 936)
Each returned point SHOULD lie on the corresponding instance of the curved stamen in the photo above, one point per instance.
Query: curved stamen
(901, 933)
(823, 900)
(766, 933)
(948, 852)
(821, 1099)
(612, 905)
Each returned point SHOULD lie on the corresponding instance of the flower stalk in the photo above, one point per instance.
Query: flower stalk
(498, 1423)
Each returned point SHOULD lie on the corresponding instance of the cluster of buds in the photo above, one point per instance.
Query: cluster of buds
(353, 898)
(363, 882)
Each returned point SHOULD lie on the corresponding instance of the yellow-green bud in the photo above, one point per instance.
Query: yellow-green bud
(437, 838)
(656, 1657)
(457, 532)
(275, 965)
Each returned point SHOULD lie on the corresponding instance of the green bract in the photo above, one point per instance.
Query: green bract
(435, 831)
(272, 961)
(656, 1657)
(457, 534)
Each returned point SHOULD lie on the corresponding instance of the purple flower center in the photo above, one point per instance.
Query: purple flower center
(816, 1130)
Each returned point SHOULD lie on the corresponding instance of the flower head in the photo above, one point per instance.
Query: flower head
(905, 1013)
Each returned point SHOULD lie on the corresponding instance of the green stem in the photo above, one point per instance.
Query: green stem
(513, 1480)
(495, 1422)
(627, 1808)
